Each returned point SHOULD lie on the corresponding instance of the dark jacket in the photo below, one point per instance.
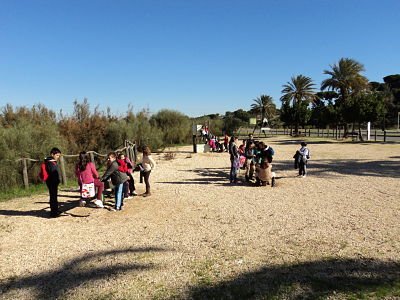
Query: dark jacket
(234, 151)
(53, 171)
(116, 176)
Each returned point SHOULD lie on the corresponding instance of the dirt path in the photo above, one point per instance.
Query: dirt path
(199, 236)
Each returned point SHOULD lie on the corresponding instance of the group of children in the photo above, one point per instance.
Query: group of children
(253, 156)
(119, 171)
(256, 157)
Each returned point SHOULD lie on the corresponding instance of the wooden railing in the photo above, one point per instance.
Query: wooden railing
(129, 148)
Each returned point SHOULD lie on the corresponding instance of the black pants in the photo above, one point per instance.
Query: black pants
(131, 183)
(302, 167)
(146, 176)
(53, 192)
(125, 191)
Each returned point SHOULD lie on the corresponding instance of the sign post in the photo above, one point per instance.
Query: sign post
(368, 131)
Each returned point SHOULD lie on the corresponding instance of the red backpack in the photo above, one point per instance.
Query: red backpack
(43, 175)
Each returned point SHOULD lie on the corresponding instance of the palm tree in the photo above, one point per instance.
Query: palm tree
(345, 79)
(265, 106)
(300, 88)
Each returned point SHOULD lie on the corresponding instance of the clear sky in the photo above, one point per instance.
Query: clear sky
(195, 56)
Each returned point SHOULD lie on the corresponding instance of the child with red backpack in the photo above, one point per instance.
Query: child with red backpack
(51, 174)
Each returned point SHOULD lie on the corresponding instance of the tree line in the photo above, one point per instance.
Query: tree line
(32, 132)
(346, 99)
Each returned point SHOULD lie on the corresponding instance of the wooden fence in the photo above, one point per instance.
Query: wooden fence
(129, 148)
(335, 133)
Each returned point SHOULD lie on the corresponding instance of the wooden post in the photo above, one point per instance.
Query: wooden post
(63, 173)
(135, 151)
(25, 173)
(194, 144)
(92, 157)
(375, 135)
(127, 150)
(384, 136)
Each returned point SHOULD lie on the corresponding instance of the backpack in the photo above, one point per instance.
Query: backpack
(268, 154)
(43, 174)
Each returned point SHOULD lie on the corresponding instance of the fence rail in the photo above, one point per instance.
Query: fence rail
(335, 133)
(129, 148)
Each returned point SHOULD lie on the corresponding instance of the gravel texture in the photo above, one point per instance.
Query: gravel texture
(198, 235)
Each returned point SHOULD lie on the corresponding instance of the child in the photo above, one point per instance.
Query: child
(50, 173)
(123, 167)
(303, 157)
(264, 174)
(129, 173)
(117, 178)
(148, 164)
(86, 172)
(235, 160)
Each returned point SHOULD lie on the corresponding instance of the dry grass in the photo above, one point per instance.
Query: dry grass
(334, 234)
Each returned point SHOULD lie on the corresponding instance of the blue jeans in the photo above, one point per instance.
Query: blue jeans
(118, 189)
(233, 172)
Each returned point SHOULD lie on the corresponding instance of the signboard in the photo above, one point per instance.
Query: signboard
(252, 121)
(196, 129)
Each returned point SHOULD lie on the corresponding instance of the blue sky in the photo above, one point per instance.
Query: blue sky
(197, 57)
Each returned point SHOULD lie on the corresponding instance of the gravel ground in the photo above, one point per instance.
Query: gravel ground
(332, 234)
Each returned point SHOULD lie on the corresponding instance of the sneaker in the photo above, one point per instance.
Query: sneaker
(304, 176)
(134, 193)
(146, 195)
(82, 203)
(112, 209)
(99, 203)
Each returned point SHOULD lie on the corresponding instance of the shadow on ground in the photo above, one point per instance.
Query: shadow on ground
(319, 168)
(322, 168)
(64, 208)
(310, 280)
(55, 284)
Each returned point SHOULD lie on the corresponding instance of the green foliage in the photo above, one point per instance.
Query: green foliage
(300, 92)
(234, 120)
(364, 107)
(175, 126)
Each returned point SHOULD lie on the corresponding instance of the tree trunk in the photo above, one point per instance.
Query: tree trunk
(359, 133)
